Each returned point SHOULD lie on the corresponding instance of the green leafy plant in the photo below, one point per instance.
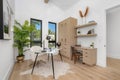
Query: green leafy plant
(22, 36)
(92, 45)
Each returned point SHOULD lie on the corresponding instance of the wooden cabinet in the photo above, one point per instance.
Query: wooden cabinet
(66, 35)
(89, 56)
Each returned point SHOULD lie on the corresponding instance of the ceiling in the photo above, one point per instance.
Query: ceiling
(64, 4)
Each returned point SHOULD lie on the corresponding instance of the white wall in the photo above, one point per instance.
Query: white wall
(26, 9)
(113, 31)
(6, 53)
(97, 12)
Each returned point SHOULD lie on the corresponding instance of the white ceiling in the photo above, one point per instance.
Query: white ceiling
(64, 4)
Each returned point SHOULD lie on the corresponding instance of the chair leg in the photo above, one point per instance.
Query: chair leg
(34, 63)
(48, 57)
(60, 56)
(71, 57)
(78, 57)
(75, 57)
(53, 66)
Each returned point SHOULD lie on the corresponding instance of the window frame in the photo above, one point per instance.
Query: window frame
(55, 32)
(41, 30)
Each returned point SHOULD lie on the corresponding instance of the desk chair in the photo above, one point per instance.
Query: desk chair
(76, 54)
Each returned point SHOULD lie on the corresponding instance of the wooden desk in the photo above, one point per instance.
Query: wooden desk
(89, 56)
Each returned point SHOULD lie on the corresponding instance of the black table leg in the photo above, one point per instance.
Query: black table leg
(53, 66)
(60, 56)
(48, 57)
(34, 63)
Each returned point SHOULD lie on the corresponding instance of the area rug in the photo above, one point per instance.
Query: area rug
(45, 69)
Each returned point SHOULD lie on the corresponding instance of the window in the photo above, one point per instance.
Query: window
(52, 34)
(36, 36)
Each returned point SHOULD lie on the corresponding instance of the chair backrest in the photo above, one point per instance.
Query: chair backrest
(54, 51)
(33, 50)
(75, 49)
(36, 49)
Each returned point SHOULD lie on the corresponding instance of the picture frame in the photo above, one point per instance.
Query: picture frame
(5, 22)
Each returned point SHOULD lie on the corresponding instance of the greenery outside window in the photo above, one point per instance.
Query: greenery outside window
(36, 35)
(52, 34)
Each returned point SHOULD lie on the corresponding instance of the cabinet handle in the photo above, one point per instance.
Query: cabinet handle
(86, 52)
(86, 56)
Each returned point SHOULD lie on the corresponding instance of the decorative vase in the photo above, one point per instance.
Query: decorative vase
(84, 20)
(20, 59)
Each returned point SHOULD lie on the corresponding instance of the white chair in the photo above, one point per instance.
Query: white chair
(54, 51)
(35, 52)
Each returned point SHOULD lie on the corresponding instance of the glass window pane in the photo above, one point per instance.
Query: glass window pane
(36, 36)
(51, 45)
(52, 34)
(52, 31)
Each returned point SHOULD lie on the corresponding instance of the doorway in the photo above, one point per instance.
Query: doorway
(113, 38)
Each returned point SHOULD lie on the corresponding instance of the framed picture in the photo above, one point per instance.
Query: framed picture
(5, 22)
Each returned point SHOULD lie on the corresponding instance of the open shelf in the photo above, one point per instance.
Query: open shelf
(86, 35)
(85, 25)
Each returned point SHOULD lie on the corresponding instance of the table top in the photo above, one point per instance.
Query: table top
(50, 50)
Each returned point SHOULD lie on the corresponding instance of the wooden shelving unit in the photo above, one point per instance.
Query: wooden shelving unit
(86, 25)
(86, 35)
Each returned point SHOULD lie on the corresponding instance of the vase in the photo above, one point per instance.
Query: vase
(84, 20)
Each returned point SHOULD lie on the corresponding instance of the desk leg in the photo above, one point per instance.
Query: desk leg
(53, 66)
(48, 57)
(34, 63)
(60, 56)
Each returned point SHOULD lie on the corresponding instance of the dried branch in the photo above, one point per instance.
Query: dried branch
(86, 12)
(81, 15)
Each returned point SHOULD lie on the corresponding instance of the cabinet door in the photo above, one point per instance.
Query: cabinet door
(59, 32)
(63, 50)
(68, 50)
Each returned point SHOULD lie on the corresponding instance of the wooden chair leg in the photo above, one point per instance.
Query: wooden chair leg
(75, 58)
(78, 57)
(72, 57)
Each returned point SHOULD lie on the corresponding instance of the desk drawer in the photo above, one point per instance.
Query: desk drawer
(89, 56)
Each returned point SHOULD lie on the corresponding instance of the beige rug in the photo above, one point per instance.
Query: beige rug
(45, 69)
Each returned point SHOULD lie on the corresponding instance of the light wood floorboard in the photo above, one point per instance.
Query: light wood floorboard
(80, 71)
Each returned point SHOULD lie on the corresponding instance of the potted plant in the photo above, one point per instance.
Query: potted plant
(92, 45)
(22, 38)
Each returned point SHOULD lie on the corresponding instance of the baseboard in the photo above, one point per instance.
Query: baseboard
(115, 57)
(9, 71)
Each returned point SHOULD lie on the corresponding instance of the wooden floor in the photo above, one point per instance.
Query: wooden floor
(81, 72)
(113, 63)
